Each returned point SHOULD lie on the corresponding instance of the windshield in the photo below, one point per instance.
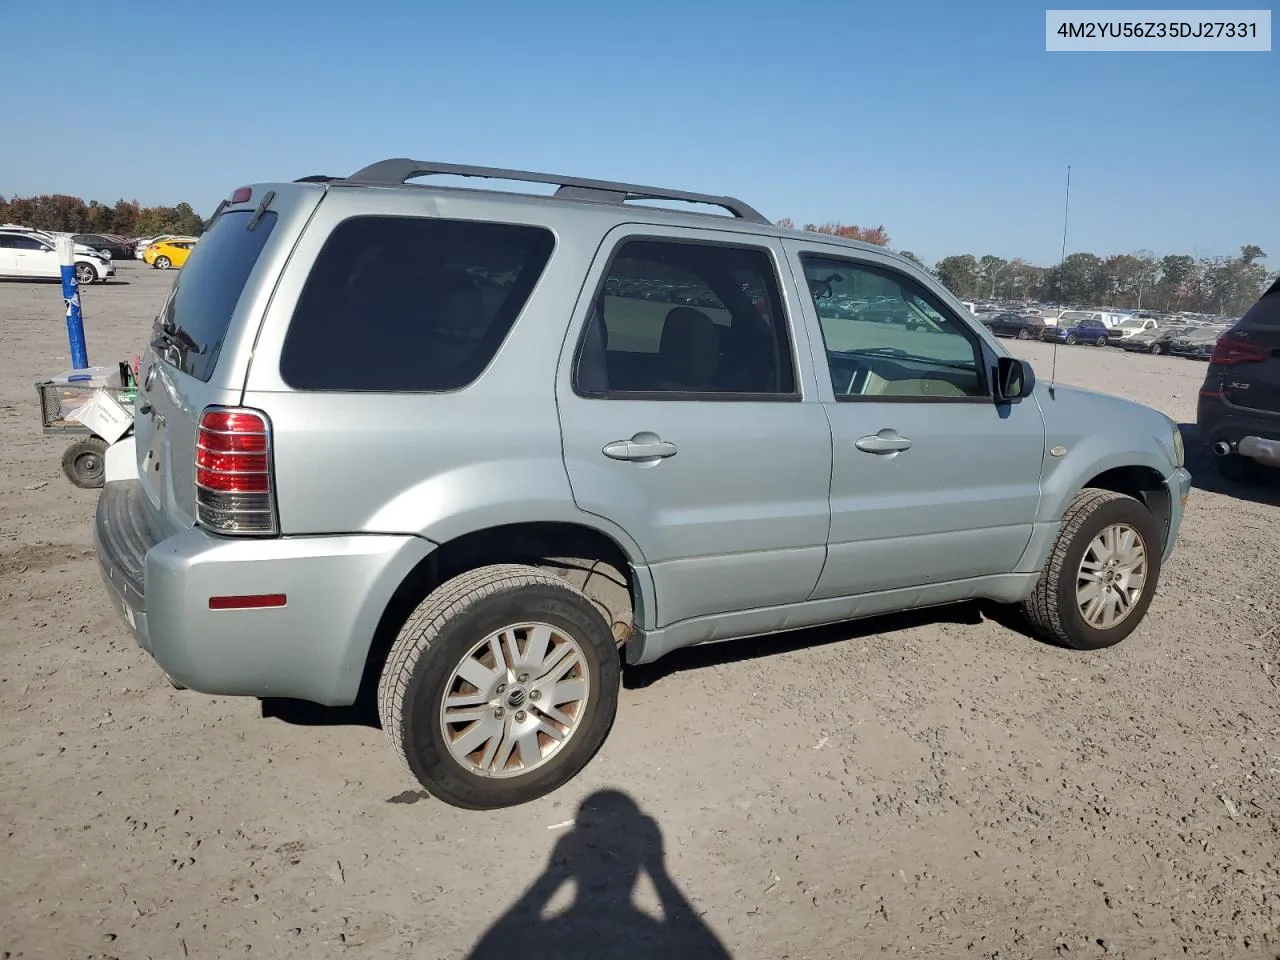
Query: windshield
(1132, 325)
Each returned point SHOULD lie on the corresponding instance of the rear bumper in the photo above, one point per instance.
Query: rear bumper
(312, 648)
(1251, 433)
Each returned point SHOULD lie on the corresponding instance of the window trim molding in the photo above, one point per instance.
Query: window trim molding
(685, 396)
(901, 277)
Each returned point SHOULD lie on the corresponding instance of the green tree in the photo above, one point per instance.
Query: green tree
(959, 274)
(991, 268)
(908, 255)
(1081, 278)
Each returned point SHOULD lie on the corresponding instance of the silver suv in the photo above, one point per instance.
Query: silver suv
(474, 449)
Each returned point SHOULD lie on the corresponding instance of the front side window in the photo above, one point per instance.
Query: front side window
(887, 338)
(414, 304)
(675, 319)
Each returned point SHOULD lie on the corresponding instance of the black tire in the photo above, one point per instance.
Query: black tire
(1157, 349)
(1242, 470)
(84, 463)
(1051, 609)
(1071, 339)
(85, 273)
(1100, 342)
(442, 631)
(1023, 335)
(161, 263)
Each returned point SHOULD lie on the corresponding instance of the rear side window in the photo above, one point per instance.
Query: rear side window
(198, 310)
(410, 303)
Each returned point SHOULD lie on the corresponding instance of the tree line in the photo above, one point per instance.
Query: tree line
(60, 213)
(1136, 281)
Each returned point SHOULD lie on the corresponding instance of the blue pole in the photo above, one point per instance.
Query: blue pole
(71, 297)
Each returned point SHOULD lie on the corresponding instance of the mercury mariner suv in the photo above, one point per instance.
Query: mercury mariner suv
(471, 451)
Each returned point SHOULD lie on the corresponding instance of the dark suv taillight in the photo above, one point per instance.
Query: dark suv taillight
(234, 480)
(1232, 349)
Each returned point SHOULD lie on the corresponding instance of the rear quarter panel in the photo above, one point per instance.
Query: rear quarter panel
(435, 465)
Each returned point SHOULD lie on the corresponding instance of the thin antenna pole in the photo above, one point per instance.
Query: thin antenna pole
(1066, 212)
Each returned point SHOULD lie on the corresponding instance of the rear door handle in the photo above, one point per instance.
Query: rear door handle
(886, 441)
(640, 448)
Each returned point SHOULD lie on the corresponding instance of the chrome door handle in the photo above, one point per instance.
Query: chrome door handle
(640, 448)
(886, 441)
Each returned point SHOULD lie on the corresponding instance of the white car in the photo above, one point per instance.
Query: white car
(32, 255)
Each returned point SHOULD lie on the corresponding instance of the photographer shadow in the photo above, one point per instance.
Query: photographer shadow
(610, 843)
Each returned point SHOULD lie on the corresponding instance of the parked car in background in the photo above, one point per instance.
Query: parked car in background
(1107, 318)
(1018, 325)
(110, 247)
(1127, 328)
(33, 255)
(163, 254)
(141, 243)
(1196, 343)
(1238, 411)
(1154, 340)
(1082, 331)
(320, 486)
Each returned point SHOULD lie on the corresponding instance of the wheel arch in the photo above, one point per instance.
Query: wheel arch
(589, 558)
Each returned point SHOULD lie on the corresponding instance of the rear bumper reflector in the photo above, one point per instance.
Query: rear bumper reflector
(256, 601)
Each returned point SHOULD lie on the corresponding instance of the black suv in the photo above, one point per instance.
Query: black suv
(1238, 412)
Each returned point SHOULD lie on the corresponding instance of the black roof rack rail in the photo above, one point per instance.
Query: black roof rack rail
(400, 170)
(317, 178)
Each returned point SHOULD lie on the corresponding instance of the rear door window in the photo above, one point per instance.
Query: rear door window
(199, 308)
(411, 304)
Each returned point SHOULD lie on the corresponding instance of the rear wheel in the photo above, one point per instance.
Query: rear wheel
(1023, 334)
(85, 274)
(1238, 469)
(161, 263)
(1101, 575)
(501, 687)
(84, 462)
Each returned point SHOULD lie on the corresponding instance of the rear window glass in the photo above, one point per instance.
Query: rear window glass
(1266, 312)
(198, 310)
(410, 303)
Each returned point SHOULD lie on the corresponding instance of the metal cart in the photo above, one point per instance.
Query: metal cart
(83, 461)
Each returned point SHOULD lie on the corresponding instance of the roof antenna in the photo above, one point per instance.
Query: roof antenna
(1066, 208)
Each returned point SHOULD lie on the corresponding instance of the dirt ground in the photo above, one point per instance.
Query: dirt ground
(937, 785)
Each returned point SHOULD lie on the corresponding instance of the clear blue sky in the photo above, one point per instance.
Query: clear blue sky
(947, 122)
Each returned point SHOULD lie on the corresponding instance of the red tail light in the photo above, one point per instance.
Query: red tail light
(234, 487)
(242, 195)
(1231, 350)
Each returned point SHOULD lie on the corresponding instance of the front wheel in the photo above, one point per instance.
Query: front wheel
(1101, 575)
(1157, 349)
(161, 263)
(85, 274)
(1071, 339)
(501, 687)
(1100, 342)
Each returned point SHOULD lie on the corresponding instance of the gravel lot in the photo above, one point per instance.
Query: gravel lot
(935, 785)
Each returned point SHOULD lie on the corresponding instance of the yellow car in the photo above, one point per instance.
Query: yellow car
(169, 253)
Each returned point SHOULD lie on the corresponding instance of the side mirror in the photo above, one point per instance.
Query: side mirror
(1014, 379)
